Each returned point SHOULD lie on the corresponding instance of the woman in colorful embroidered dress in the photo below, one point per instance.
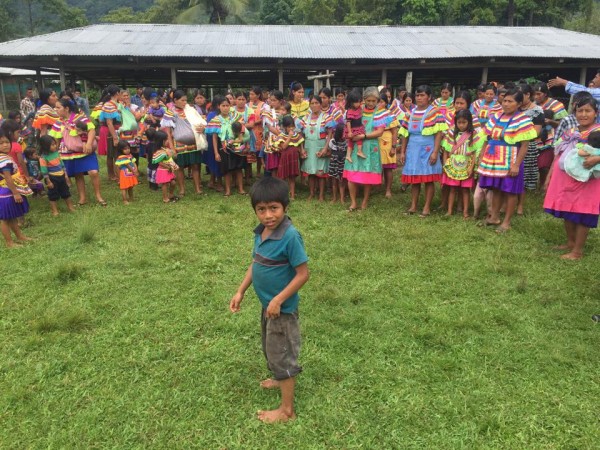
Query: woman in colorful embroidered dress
(530, 163)
(423, 131)
(408, 103)
(487, 106)
(13, 205)
(330, 108)
(291, 147)
(271, 117)
(388, 142)
(445, 103)
(461, 146)
(111, 117)
(200, 102)
(366, 172)
(257, 108)
(230, 162)
(76, 135)
(46, 116)
(300, 106)
(549, 104)
(577, 203)
(243, 109)
(131, 115)
(317, 127)
(501, 161)
(183, 141)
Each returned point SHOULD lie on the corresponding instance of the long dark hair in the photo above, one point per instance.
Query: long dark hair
(464, 114)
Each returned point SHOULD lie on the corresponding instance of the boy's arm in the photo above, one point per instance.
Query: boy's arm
(234, 303)
(294, 286)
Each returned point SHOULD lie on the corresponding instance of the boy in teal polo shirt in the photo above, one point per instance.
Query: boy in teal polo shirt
(279, 269)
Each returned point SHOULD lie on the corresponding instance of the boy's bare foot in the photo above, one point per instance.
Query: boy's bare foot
(572, 256)
(72, 209)
(125, 202)
(24, 238)
(388, 195)
(55, 214)
(360, 154)
(269, 383)
(275, 415)
(13, 245)
(349, 159)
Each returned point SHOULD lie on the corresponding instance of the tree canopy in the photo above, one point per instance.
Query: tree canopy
(28, 17)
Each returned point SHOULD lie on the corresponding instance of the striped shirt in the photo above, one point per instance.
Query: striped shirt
(52, 165)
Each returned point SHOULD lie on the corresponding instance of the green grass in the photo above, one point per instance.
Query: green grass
(115, 331)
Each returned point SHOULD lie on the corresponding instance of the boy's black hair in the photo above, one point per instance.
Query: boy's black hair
(236, 127)
(270, 189)
(122, 145)
(594, 139)
(46, 142)
(548, 114)
(338, 134)
(81, 125)
(287, 121)
(28, 152)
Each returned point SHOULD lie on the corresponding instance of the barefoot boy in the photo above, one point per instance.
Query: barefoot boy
(278, 270)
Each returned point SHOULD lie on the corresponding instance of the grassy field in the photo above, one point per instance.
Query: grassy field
(115, 331)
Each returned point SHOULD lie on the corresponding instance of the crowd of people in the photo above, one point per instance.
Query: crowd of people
(489, 147)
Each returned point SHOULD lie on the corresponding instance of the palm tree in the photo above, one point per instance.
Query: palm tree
(216, 10)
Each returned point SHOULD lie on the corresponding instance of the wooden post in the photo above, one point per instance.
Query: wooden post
(173, 78)
(280, 76)
(4, 108)
(63, 81)
(85, 86)
(484, 75)
(384, 77)
(583, 76)
(327, 82)
(408, 81)
(40, 80)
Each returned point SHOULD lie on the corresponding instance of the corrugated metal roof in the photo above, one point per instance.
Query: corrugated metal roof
(302, 42)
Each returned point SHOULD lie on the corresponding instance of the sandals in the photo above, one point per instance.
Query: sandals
(351, 210)
(101, 203)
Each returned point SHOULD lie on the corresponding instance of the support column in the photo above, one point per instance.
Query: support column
(583, 76)
(3, 96)
(173, 78)
(280, 76)
(484, 75)
(40, 80)
(63, 81)
(384, 77)
(408, 81)
(327, 82)
(85, 86)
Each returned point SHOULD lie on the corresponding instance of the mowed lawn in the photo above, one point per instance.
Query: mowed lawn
(115, 331)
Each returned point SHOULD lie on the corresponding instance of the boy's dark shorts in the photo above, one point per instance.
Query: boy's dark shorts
(60, 189)
(281, 344)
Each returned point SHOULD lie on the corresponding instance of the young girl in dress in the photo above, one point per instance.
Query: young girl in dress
(461, 149)
(128, 171)
(165, 173)
(338, 147)
(445, 103)
(354, 125)
(291, 147)
(12, 204)
(271, 125)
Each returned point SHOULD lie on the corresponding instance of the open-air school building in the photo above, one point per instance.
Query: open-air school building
(219, 56)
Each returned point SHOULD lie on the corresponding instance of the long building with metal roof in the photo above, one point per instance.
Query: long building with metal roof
(242, 55)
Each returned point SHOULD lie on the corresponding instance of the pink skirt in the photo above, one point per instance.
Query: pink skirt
(164, 176)
(102, 140)
(447, 181)
(568, 195)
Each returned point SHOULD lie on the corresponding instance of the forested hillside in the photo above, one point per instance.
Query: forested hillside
(19, 18)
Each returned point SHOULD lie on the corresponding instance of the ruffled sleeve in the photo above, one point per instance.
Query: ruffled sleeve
(6, 163)
(57, 130)
(558, 109)
(403, 131)
(159, 157)
(168, 119)
(521, 129)
(110, 110)
(45, 116)
(478, 143)
(214, 126)
(448, 141)
(434, 123)
(84, 119)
